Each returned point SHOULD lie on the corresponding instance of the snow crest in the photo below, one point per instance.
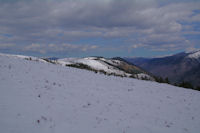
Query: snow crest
(95, 63)
(195, 55)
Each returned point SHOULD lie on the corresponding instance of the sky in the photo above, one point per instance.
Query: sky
(108, 28)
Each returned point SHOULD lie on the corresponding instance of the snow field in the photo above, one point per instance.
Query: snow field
(39, 97)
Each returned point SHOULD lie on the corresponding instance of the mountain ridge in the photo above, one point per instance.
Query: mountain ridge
(111, 66)
(108, 66)
(181, 67)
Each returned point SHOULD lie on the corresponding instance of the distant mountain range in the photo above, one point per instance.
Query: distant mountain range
(181, 67)
(178, 68)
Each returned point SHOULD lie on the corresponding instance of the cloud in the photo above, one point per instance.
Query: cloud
(65, 47)
(134, 46)
(66, 22)
(34, 47)
(6, 45)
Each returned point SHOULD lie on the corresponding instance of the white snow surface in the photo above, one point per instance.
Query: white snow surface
(38, 97)
(195, 55)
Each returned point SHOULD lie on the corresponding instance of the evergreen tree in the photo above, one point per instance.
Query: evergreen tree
(197, 88)
(166, 80)
(186, 85)
(161, 80)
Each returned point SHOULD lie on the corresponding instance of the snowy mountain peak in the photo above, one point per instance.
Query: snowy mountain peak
(194, 55)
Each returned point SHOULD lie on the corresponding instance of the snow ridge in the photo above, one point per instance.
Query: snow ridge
(109, 66)
(194, 55)
(24, 57)
(93, 62)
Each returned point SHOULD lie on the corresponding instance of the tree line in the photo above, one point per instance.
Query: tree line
(184, 84)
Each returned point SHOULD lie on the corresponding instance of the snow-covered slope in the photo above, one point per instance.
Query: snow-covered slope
(24, 57)
(93, 62)
(110, 66)
(38, 97)
(194, 55)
